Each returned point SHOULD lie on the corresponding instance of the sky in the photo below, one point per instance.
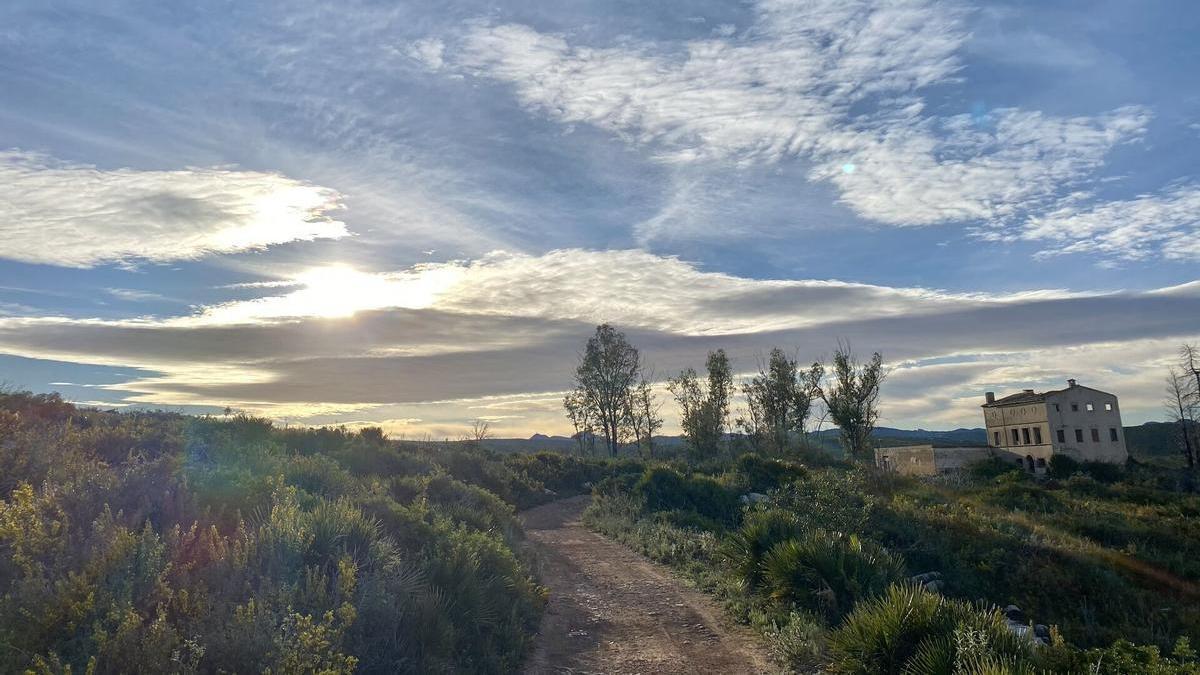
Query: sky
(414, 214)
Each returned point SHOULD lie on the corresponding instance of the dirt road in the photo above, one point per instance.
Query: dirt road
(613, 611)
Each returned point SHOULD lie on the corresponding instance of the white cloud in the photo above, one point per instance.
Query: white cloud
(500, 335)
(629, 287)
(830, 81)
(1164, 225)
(921, 171)
(77, 215)
(428, 52)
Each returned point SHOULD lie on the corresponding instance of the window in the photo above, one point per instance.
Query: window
(1079, 435)
(1016, 438)
(1062, 436)
(996, 435)
(1074, 407)
(1095, 435)
(1090, 407)
(1037, 435)
(1041, 462)
(1112, 435)
(1025, 435)
(1108, 407)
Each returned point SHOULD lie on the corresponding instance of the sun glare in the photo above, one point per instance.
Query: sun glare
(340, 290)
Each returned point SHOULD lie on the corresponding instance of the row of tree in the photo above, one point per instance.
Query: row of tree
(614, 400)
(1183, 401)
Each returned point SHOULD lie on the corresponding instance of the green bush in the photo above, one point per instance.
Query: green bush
(828, 572)
(1062, 466)
(155, 542)
(761, 474)
(831, 499)
(746, 547)
(910, 630)
(665, 489)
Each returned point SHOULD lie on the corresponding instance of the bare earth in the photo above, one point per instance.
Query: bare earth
(613, 611)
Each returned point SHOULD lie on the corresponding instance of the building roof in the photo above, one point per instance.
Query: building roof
(1019, 399)
(1031, 396)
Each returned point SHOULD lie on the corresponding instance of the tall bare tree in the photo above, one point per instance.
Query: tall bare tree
(481, 430)
(1189, 360)
(580, 415)
(604, 381)
(1179, 410)
(645, 413)
(851, 396)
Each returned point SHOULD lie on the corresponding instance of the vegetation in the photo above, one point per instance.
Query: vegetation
(612, 391)
(154, 542)
(704, 405)
(821, 565)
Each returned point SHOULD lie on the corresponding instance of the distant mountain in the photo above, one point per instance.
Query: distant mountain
(1155, 438)
(1151, 438)
(826, 438)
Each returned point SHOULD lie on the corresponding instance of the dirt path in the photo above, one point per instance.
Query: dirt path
(613, 611)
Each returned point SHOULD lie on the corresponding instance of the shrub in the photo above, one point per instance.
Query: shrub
(664, 489)
(991, 468)
(911, 630)
(761, 474)
(1062, 466)
(746, 547)
(828, 572)
(828, 499)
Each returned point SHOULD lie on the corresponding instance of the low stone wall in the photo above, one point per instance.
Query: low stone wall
(926, 460)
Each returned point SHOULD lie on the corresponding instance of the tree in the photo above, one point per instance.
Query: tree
(779, 401)
(720, 391)
(604, 381)
(1189, 360)
(704, 407)
(851, 399)
(580, 415)
(481, 430)
(1177, 403)
(644, 413)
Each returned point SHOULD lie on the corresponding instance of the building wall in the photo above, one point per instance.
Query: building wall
(910, 460)
(1069, 412)
(958, 459)
(1029, 422)
(926, 460)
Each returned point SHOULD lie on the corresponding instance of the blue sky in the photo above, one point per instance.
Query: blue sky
(413, 214)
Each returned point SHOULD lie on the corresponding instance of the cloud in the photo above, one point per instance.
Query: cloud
(922, 171)
(834, 83)
(763, 96)
(1164, 225)
(428, 52)
(77, 215)
(509, 325)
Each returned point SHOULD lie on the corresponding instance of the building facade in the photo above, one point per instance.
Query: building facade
(1079, 422)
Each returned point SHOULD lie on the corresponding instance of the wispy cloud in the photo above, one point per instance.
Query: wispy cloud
(77, 215)
(1165, 225)
(835, 83)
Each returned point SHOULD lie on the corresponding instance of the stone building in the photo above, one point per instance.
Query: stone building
(1027, 428)
(928, 460)
(1079, 422)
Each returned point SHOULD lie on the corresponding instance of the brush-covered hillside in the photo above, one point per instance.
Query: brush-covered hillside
(161, 543)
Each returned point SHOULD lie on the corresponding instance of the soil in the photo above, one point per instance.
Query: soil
(613, 611)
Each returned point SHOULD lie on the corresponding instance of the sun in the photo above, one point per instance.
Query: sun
(339, 290)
